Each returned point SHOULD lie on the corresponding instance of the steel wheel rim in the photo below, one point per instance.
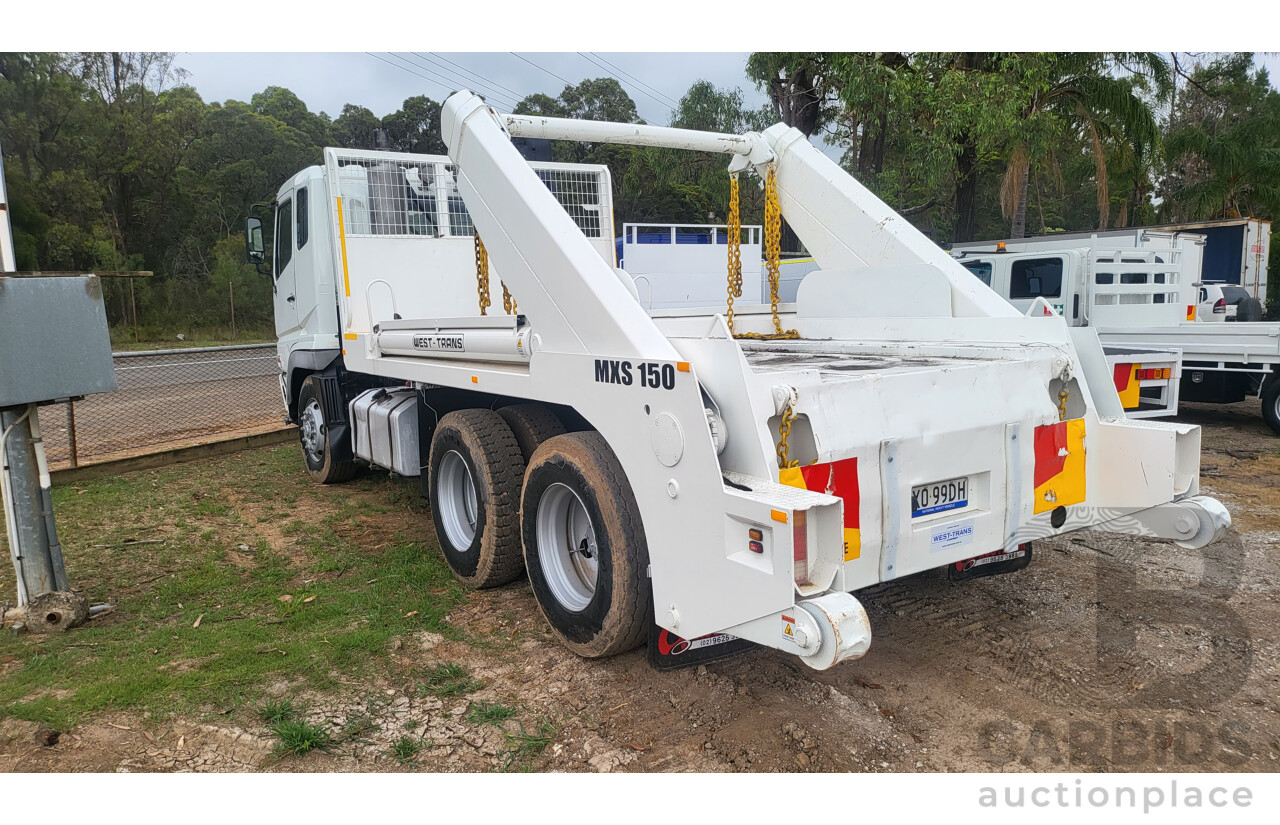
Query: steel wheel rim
(456, 503)
(311, 430)
(567, 548)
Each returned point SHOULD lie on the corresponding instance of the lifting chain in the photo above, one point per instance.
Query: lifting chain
(772, 253)
(735, 248)
(784, 435)
(508, 303)
(482, 275)
(1063, 394)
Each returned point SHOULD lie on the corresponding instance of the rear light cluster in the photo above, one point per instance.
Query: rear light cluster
(800, 543)
(1220, 308)
(1152, 374)
(756, 540)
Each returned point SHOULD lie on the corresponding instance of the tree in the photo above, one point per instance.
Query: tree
(800, 86)
(416, 127)
(356, 128)
(1094, 92)
(1224, 147)
(600, 99)
(286, 107)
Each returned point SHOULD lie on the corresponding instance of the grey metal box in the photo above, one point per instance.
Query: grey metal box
(386, 429)
(53, 339)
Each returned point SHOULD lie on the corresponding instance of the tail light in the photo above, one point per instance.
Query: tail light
(1220, 308)
(800, 543)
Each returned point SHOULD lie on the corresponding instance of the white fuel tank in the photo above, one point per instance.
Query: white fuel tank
(386, 429)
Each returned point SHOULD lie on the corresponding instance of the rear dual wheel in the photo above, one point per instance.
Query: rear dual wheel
(474, 474)
(584, 546)
(510, 491)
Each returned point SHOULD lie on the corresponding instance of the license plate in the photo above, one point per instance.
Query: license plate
(939, 497)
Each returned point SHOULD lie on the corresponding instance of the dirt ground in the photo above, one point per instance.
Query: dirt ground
(1107, 654)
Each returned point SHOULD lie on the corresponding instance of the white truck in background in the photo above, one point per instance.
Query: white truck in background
(1139, 290)
(690, 474)
(1236, 252)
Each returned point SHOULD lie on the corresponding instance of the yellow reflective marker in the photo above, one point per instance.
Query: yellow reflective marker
(342, 236)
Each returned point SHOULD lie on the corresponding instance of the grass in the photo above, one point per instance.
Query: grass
(489, 713)
(122, 339)
(276, 710)
(522, 747)
(405, 749)
(355, 560)
(298, 737)
(450, 679)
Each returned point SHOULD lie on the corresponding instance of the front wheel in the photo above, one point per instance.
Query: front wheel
(314, 434)
(584, 546)
(1271, 401)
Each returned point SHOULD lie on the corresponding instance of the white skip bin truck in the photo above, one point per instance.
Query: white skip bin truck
(1139, 290)
(691, 475)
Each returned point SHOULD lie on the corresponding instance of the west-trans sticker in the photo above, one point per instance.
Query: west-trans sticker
(453, 342)
(951, 535)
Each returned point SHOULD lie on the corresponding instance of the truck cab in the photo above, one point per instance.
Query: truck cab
(1104, 288)
(303, 280)
(1091, 287)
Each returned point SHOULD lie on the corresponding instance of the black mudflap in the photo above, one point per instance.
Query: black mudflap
(991, 564)
(667, 651)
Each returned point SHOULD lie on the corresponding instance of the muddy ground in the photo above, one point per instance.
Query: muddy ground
(1106, 654)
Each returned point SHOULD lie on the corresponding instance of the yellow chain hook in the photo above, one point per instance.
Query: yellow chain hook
(1064, 393)
(784, 434)
(735, 248)
(482, 275)
(772, 256)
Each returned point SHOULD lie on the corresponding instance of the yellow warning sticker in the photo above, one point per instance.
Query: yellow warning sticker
(789, 628)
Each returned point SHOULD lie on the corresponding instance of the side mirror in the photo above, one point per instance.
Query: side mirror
(254, 249)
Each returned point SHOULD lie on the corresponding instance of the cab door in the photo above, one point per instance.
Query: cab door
(282, 269)
(1028, 277)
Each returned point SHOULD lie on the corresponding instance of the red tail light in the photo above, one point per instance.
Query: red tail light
(800, 543)
(1220, 307)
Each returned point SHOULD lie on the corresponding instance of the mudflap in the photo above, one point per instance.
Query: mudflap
(667, 651)
(990, 564)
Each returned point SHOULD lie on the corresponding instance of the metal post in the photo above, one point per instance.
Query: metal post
(71, 433)
(37, 569)
(231, 289)
(134, 301)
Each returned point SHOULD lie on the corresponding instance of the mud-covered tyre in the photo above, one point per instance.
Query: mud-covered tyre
(531, 424)
(314, 436)
(584, 546)
(1271, 401)
(474, 474)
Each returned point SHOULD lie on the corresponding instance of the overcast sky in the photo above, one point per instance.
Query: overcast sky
(655, 81)
(382, 80)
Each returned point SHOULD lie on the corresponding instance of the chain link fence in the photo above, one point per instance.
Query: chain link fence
(167, 399)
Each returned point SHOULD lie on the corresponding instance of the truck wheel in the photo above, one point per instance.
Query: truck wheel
(584, 546)
(1271, 401)
(474, 473)
(532, 424)
(313, 433)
